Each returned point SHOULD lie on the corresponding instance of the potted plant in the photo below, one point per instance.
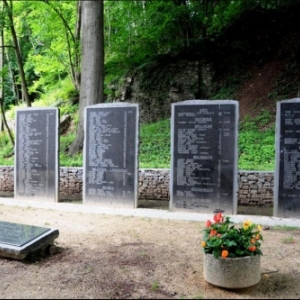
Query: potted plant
(231, 252)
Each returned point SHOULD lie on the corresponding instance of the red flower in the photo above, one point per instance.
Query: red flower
(208, 223)
(218, 218)
(213, 232)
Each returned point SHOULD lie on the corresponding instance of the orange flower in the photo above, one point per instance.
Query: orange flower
(203, 244)
(252, 248)
(213, 232)
(208, 223)
(224, 253)
(258, 237)
(252, 241)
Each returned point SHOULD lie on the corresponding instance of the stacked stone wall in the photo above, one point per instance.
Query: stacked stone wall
(6, 181)
(154, 184)
(70, 186)
(255, 188)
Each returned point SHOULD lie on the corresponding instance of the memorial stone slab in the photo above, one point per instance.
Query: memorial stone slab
(204, 156)
(18, 240)
(110, 161)
(287, 171)
(37, 154)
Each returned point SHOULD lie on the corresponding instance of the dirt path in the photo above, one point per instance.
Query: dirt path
(116, 257)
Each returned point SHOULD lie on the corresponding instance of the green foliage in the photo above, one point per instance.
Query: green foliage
(130, 37)
(223, 238)
(48, 47)
(65, 159)
(6, 150)
(224, 93)
(223, 14)
(154, 147)
(62, 90)
(257, 143)
(137, 33)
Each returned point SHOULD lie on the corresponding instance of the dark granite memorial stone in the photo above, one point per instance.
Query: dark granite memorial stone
(19, 234)
(36, 154)
(17, 240)
(111, 155)
(287, 174)
(204, 156)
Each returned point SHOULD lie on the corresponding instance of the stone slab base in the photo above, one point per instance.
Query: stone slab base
(20, 252)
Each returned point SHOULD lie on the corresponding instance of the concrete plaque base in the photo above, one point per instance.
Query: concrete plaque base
(232, 273)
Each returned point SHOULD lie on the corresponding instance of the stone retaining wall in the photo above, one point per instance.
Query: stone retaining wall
(255, 187)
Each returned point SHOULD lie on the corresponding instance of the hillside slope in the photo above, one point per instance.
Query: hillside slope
(256, 61)
(271, 44)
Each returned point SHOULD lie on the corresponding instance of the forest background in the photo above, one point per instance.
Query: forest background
(243, 50)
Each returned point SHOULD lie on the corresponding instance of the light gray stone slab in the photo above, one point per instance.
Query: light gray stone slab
(37, 154)
(110, 160)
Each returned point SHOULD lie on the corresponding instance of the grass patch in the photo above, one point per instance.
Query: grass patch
(155, 286)
(155, 143)
(256, 143)
(286, 228)
(288, 240)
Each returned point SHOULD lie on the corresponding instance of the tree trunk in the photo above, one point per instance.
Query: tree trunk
(77, 38)
(3, 119)
(18, 54)
(14, 88)
(92, 64)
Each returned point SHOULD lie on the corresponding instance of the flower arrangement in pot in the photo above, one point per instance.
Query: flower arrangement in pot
(229, 249)
(223, 239)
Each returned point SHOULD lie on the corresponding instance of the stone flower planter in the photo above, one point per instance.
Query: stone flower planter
(232, 273)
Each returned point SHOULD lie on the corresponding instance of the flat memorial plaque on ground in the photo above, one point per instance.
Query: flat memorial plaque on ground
(37, 154)
(17, 240)
(287, 172)
(204, 155)
(111, 155)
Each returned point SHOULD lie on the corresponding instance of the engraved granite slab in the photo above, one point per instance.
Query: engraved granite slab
(110, 163)
(37, 154)
(17, 240)
(287, 154)
(204, 156)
